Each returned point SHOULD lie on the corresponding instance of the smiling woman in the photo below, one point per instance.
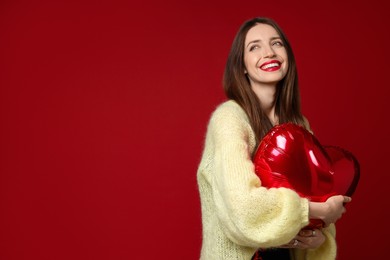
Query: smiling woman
(264, 53)
(241, 218)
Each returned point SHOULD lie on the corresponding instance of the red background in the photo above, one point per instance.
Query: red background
(104, 106)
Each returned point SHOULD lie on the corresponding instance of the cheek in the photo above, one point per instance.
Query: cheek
(286, 69)
(250, 58)
(246, 62)
(250, 63)
(285, 56)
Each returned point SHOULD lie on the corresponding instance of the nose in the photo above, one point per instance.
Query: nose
(268, 52)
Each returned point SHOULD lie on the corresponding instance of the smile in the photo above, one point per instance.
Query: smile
(270, 66)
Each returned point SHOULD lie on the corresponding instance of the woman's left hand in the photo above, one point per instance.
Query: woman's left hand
(307, 239)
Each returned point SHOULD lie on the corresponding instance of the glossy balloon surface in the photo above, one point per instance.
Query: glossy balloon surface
(290, 156)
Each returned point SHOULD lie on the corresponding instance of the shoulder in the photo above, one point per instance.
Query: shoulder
(229, 119)
(229, 125)
(229, 109)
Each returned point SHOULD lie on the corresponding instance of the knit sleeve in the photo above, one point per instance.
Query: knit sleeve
(250, 215)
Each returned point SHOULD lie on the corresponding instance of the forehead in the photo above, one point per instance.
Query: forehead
(261, 32)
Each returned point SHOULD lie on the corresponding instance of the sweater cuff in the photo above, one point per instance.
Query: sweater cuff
(305, 211)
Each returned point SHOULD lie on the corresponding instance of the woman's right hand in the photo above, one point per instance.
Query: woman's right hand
(330, 210)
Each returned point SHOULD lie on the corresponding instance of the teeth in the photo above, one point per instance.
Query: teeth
(271, 65)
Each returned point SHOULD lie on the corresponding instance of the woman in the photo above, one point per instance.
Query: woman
(241, 219)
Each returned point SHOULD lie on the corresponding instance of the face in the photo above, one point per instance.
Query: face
(265, 57)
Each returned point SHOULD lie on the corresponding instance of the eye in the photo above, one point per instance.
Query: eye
(254, 47)
(277, 43)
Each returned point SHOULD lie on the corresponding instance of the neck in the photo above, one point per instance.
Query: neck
(266, 94)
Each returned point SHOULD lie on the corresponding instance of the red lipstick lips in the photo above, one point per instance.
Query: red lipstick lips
(271, 65)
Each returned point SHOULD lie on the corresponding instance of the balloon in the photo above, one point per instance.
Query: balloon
(290, 156)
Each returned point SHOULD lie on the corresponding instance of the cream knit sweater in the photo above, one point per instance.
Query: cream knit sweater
(238, 214)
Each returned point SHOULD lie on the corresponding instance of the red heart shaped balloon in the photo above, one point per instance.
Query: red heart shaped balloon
(290, 156)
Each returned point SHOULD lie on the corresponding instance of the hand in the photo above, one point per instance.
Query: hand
(335, 208)
(307, 239)
(329, 211)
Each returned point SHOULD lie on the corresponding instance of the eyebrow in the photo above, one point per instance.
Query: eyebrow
(256, 41)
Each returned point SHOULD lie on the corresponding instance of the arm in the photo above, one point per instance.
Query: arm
(251, 215)
(329, 211)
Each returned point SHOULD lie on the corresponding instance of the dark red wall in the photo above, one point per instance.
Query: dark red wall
(103, 111)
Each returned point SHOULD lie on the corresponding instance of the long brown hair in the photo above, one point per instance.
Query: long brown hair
(237, 86)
